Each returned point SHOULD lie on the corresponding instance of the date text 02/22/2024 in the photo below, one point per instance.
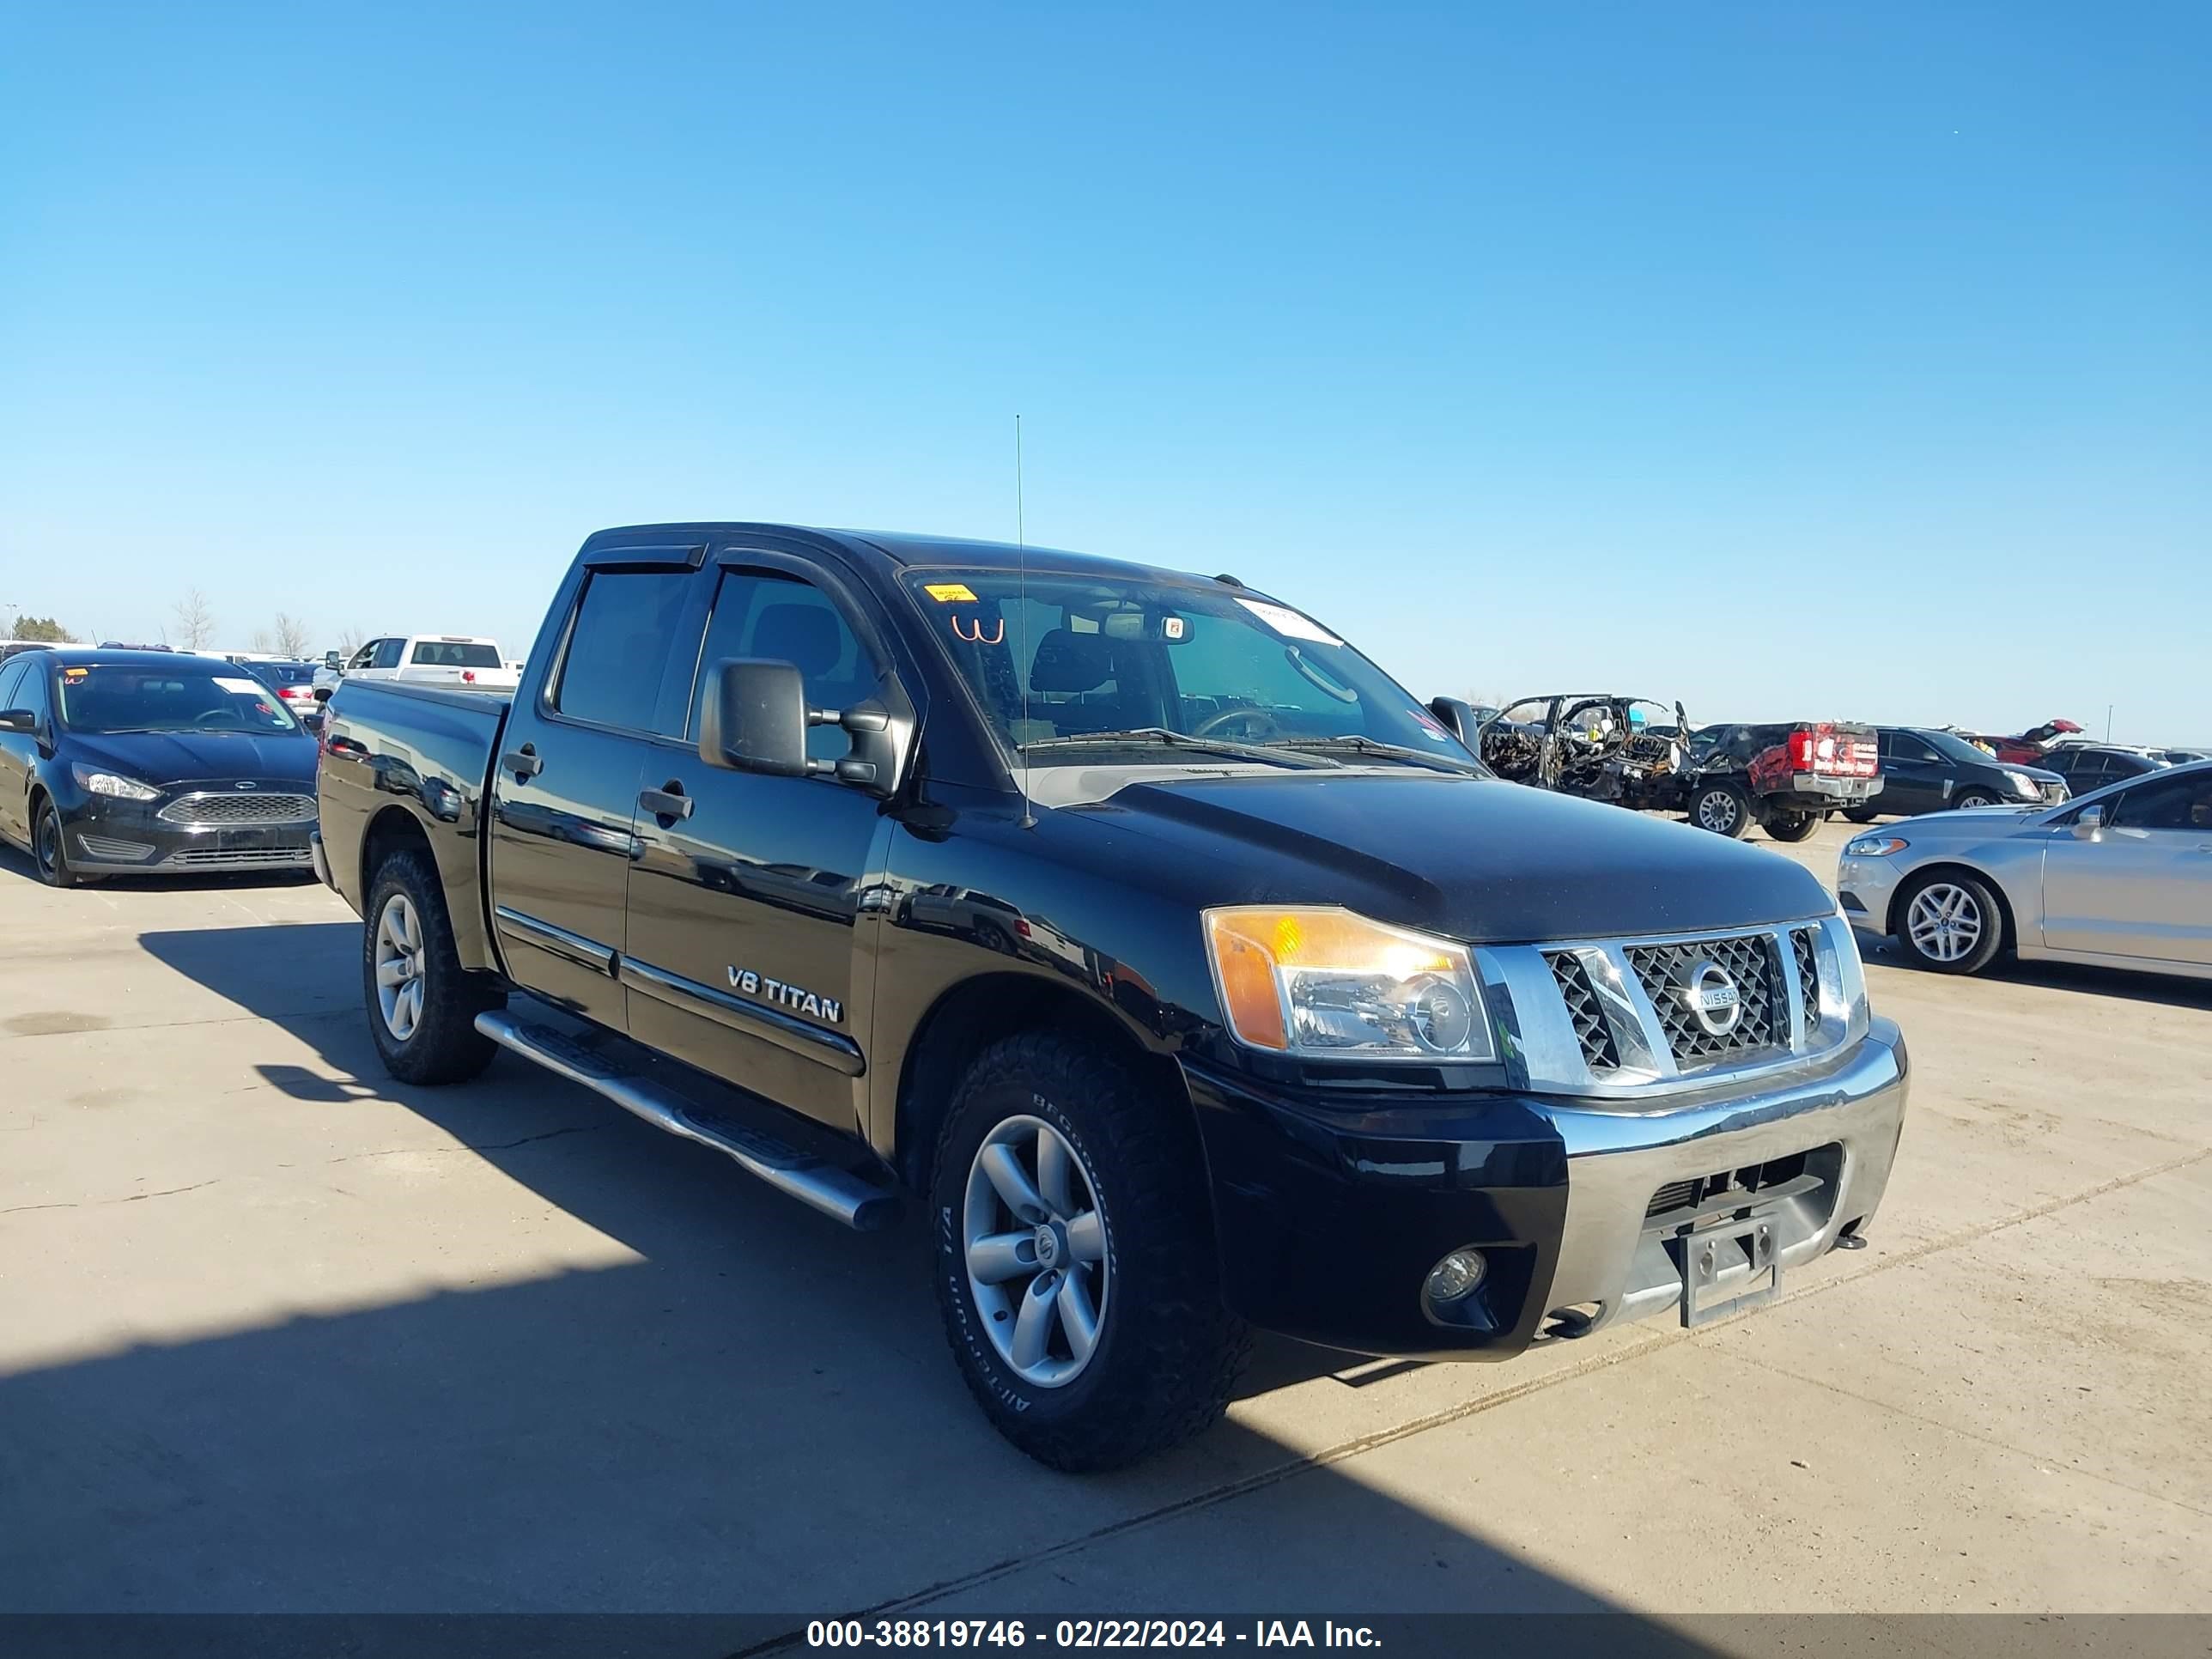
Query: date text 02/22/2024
(1086, 1633)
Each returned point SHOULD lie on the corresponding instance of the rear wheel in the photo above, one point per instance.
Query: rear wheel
(1721, 808)
(1861, 814)
(1793, 826)
(423, 1005)
(1949, 921)
(47, 847)
(1076, 1270)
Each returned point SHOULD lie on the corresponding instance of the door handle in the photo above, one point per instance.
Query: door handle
(523, 763)
(669, 803)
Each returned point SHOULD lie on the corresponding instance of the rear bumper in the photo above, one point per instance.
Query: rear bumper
(1816, 789)
(1330, 1212)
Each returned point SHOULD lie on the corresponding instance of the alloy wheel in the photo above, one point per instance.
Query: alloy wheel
(1716, 810)
(1944, 922)
(399, 967)
(1035, 1239)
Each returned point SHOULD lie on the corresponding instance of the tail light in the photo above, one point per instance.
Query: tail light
(1801, 751)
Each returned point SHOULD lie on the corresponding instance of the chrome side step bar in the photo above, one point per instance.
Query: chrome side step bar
(841, 1194)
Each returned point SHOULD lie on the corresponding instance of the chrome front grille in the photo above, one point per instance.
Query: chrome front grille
(1809, 975)
(1592, 1030)
(1761, 1022)
(210, 808)
(1615, 1019)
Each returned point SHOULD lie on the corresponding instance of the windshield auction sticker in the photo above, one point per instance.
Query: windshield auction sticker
(1288, 622)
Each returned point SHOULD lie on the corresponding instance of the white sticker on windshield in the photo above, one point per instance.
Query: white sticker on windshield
(1288, 622)
(247, 688)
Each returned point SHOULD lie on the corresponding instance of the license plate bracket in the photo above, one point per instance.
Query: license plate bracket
(1729, 1268)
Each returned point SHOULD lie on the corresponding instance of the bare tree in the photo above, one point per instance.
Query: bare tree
(290, 634)
(195, 622)
(351, 640)
(263, 640)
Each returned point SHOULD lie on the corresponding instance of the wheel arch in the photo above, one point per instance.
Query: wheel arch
(398, 826)
(2009, 936)
(971, 1016)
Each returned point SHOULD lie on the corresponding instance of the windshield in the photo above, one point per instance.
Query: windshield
(99, 698)
(455, 654)
(1953, 747)
(1089, 655)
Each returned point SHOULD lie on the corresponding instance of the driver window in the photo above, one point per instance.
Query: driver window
(387, 653)
(762, 614)
(10, 682)
(2172, 803)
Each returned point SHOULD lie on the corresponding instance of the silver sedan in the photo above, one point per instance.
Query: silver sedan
(2121, 877)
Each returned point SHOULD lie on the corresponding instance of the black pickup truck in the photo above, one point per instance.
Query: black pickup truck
(1187, 968)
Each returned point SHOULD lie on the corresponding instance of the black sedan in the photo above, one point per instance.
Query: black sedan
(1927, 770)
(129, 762)
(2087, 766)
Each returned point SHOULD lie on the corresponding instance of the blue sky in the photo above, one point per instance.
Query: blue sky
(1792, 359)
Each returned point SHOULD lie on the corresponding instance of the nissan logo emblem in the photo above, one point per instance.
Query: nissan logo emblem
(1708, 991)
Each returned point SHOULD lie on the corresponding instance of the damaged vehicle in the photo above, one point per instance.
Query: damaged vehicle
(1599, 745)
(1785, 777)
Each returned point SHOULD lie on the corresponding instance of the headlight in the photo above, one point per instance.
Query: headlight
(1875, 847)
(1320, 981)
(2025, 784)
(113, 783)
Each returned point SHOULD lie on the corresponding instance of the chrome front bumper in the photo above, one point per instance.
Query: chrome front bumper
(1631, 1265)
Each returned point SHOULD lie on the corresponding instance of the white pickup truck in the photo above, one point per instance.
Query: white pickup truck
(463, 662)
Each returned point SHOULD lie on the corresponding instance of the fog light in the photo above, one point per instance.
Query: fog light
(1456, 1276)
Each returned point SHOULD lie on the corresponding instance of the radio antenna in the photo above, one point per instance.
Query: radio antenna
(1022, 601)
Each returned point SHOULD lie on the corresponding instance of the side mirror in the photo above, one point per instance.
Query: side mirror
(322, 694)
(1456, 718)
(2090, 825)
(19, 720)
(754, 717)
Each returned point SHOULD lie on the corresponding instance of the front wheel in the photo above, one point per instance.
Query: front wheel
(1949, 921)
(1075, 1262)
(1721, 808)
(1966, 798)
(423, 1005)
(48, 849)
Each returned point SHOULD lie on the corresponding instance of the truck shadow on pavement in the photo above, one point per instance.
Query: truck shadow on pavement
(745, 1408)
(2166, 990)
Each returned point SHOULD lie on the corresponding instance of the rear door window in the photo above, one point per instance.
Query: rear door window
(620, 645)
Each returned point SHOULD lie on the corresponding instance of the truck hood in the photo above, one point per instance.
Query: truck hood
(1477, 859)
(168, 757)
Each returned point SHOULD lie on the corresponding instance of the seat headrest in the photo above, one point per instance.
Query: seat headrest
(803, 634)
(1066, 662)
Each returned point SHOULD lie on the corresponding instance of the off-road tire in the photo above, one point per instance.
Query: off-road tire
(52, 861)
(1794, 826)
(1863, 814)
(1707, 814)
(1979, 892)
(445, 1046)
(1168, 1349)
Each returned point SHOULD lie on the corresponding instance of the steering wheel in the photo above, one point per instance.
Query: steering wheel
(1260, 723)
(224, 717)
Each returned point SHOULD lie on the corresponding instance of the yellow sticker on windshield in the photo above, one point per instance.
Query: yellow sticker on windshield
(949, 593)
(75, 673)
